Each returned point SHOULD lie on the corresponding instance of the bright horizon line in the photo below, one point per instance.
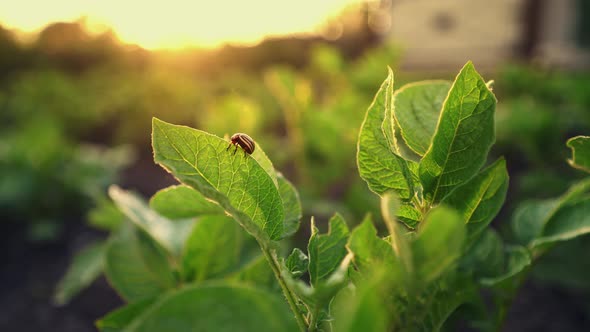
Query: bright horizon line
(178, 24)
(95, 28)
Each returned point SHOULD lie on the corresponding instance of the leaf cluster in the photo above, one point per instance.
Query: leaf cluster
(207, 254)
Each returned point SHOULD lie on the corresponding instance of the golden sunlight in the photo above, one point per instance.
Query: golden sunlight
(178, 23)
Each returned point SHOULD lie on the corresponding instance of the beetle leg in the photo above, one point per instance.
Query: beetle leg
(236, 150)
(230, 144)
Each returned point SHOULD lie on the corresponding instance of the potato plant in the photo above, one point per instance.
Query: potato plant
(210, 254)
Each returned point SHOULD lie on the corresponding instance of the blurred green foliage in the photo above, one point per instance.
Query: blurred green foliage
(63, 91)
(68, 90)
(446, 259)
(47, 180)
(540, 109)
(305, 114)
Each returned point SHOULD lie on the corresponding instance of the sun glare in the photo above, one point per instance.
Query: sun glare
(177, 23)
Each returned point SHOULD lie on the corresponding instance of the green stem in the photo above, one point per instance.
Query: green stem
(505, 301)
(313, 321)
(274, 265)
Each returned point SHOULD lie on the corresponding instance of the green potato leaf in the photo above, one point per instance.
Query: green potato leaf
(463, 137)
(430, 307)
(571, 220)
(530, 218)
(538, 223)
(180, 202)
(260, 156)
(105, 215)
(119, 319)
(485, 256)
(370, 252)
(516, 259)
(169, 234)
(326, 251)
(212, 249)
(378, 165)
(439, 243)
(363, 309)
(85, 268)
(479, 200)
(297, 263)
(580, 146)
(256, 273)
(409, 215)
(216, 307)
(235, 181)
(291, 205)
(136, 265)
(417, 108)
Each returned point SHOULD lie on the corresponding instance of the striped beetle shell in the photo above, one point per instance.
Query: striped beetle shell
(244, 141)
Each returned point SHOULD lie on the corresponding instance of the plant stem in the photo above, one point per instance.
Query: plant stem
(270, 255)
(313, 321)
(505, 302)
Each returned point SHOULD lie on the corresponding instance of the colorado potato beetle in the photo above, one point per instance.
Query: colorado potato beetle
(244, 141)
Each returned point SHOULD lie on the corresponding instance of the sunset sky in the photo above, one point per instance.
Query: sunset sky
(177, 23)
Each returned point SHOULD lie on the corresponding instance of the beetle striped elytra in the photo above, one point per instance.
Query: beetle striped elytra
(244, 141)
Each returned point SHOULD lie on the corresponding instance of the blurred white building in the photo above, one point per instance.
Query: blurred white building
(447, 33)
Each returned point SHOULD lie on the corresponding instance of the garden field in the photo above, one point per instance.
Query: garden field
(362, 194)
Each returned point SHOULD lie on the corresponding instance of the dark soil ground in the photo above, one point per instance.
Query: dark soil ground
(29, 275)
